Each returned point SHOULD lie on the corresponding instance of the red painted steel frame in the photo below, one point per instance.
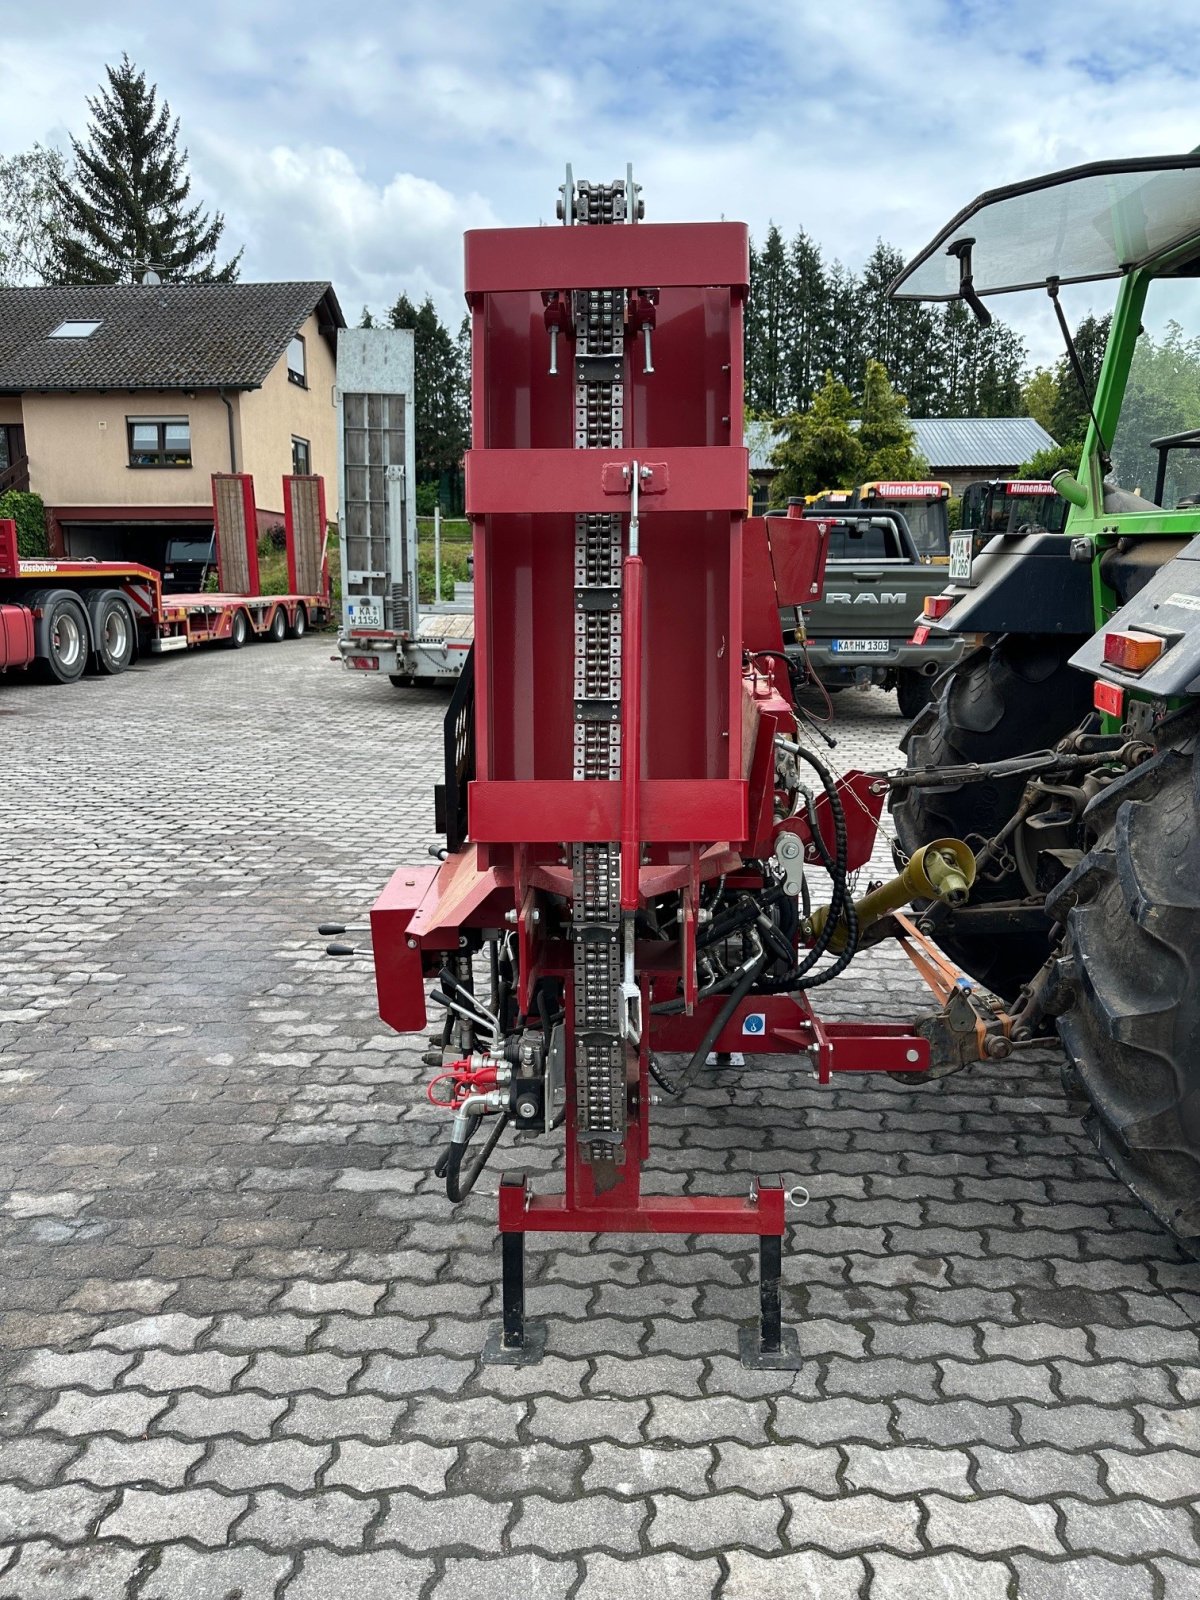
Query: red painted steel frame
(696, 793)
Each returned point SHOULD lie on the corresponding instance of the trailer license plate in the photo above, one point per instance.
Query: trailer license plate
(960, 557)
(366, 614)
(861, 647)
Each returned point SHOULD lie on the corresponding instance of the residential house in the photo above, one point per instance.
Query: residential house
(119, 401)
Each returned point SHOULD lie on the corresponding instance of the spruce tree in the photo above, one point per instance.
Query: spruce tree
(442, 414)
(125, 208)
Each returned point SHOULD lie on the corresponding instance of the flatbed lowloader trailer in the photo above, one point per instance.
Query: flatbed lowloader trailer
(60, 616)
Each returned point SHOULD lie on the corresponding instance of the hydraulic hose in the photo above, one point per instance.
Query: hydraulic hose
(739, 992)
(449, 1163)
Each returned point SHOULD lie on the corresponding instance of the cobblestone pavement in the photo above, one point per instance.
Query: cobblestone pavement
(240, 1324)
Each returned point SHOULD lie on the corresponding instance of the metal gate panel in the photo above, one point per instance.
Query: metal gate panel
(378, 531)
(235, 522)
(305, 530)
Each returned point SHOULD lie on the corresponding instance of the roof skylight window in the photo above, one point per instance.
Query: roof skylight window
(74, 328)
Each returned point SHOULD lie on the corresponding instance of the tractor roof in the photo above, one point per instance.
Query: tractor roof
(1085, 223)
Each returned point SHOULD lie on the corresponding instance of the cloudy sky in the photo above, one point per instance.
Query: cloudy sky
(357, 142)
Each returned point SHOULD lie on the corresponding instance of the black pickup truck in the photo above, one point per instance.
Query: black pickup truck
(861, 631)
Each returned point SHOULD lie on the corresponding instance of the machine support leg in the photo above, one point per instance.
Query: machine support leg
(770, 1345)
(770, 1270)
(512, 1269)
(515, 1343)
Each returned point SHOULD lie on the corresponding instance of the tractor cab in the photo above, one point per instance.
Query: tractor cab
(923, 505)
(1010, 506)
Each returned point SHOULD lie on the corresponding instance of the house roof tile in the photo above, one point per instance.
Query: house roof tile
(155, 336)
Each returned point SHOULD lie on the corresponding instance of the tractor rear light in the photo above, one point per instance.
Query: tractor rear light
(920, 634)
(365, 663)
(937, 605)
(1133, 651)
(1109, 698)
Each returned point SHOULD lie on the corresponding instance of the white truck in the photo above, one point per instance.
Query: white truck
(385, 628)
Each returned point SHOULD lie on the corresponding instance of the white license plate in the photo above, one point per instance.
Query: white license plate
(861, 647)
(366, 614)
(960, 557)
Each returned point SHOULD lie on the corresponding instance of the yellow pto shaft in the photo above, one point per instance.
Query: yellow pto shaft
(943, 870)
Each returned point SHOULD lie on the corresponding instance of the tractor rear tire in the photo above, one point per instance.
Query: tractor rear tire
(914, 691)
(1131, 973)
(1000, 700)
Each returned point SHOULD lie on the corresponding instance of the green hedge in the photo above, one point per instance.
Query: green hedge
(28, 511)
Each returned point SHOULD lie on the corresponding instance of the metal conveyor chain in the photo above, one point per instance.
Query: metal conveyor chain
(599, 316)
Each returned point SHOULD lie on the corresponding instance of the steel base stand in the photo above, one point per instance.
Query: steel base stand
(515, 1343)
(770, 1345)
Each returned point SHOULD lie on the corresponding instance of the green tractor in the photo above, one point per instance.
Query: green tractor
(1062, 745)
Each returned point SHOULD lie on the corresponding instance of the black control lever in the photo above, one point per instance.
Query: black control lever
(341, 949)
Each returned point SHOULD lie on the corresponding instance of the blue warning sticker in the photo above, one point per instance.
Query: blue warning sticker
(756, 1022)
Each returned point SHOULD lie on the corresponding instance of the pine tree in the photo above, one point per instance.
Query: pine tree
(125, 209)
(771, 316)
(1069, 414)
(885, 435)
(820, 449)
(809, 295)
(442, 416)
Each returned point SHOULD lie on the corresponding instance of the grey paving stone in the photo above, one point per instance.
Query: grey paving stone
(285, 1521)
(279, 1331)
(75, 1412)
(948, 1576)
(1177, 1426)
(1089, 1578)
(433, 1526)
(1077, 1426)
(956, 1422)
(1178, 1578)
(496, 1472)
(1161, 1475)
(202, 1416)
(97, 1370)
(278, 1374)
(164, 1372)
(852, 1522)
(1113, 1382)
(164, 1462)
(151, 1516)
(45, 1571)
(831, 1421)
(705, 1419)
(230, 1464)
(906, 1469)
(804, 1575)
(173, 1330)
(66, 1513)
(475, 1417)
(996, 1380)
(993, 1525)
(367, 1416)
(502, 1577)
(1039, 1473)
(567, 1527)
(345, 1294)
(881, 1379)
(404, 1375)
(774, 1468)
(214, 1574)
(1129, 1528)
(34, 1459)
(720, 1522)
(368, 1467)
(572, 1421)
(375, 1575)
(646, 1468)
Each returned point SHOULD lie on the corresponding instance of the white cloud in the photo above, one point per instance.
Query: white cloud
(358, 144)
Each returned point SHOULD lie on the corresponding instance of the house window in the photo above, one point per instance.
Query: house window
(77, 328)
(159, 441)
(297, 372)
(301, 457)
